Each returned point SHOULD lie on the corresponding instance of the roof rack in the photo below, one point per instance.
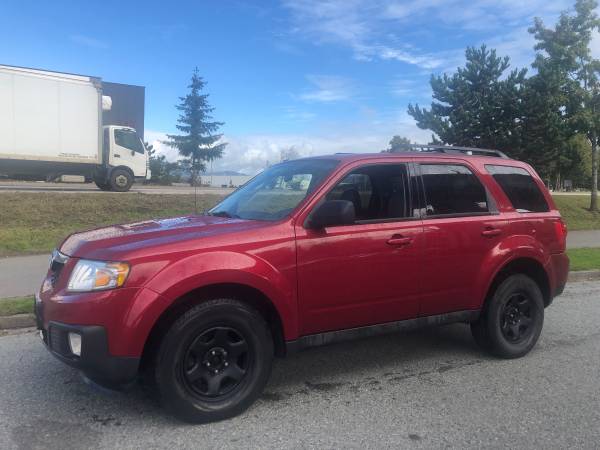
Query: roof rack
(431, 148)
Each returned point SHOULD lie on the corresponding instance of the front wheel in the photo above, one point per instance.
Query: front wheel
(512, 319)
(214, 361)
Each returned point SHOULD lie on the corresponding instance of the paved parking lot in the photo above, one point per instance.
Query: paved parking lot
(427, 389)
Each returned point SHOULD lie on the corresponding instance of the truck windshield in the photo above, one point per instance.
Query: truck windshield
(276, 192)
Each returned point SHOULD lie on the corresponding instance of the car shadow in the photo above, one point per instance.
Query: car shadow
(355, 365)
(395, 357)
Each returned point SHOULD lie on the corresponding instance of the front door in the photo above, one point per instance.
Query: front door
(368, 272)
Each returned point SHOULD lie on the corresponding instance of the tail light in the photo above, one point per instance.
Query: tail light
(560, 229)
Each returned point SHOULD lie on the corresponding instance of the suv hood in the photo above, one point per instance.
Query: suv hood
(120, 240)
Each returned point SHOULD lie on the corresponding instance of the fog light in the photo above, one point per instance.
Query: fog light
(75, 343)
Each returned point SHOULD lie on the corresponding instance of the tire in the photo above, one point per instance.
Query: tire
(214, 361)
(512, 319)
(120, 180)
(102, 186)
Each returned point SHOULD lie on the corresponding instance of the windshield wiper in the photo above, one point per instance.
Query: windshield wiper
(224, 214)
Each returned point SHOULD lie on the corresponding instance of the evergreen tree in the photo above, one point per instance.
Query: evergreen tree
(565, 60)
(478, 106)
(199, 141)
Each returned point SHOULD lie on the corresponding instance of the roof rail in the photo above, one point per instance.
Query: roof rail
(448, 149)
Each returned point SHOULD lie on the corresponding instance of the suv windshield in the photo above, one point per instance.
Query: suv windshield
(276, 192)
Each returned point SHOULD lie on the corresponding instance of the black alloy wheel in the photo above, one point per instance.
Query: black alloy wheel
(216, 362)
(516, 318)
(512, 318)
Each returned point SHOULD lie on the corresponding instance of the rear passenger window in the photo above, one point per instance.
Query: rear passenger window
(452, 189)
(520, 188)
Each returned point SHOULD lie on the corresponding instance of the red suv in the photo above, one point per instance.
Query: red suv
(308, 252)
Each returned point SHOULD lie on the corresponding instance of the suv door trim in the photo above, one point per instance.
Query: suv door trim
(330, 337)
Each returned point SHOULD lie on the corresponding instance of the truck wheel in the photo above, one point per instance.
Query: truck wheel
(512, 319)
(102, 186)
(214, 361)
(120, 180)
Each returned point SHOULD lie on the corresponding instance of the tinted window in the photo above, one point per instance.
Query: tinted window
(520, 188)
(276, 192)
(452, 189)
(378, 192)
(128, 139)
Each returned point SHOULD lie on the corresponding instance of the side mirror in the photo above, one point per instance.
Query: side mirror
(330, 213)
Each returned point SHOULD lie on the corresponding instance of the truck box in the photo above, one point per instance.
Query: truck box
(50, 116)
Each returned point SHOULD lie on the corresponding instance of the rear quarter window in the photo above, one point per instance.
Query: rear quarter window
(520, 188)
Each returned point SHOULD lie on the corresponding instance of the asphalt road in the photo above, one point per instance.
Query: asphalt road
(427, 389)
(90, 188)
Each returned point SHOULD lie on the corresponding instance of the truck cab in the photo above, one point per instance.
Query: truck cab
(126, 159)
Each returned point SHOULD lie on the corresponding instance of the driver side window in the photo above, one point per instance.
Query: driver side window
(377, 191)
(129, 140)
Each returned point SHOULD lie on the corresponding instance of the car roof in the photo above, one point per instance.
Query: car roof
(487, 159)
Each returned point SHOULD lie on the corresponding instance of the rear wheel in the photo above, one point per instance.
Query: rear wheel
(512, 319)
(214, 361)
(120, 180)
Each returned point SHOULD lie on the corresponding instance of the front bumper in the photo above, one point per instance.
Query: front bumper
(95, 361)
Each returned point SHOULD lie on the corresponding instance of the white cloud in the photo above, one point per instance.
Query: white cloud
(251, 153)
(88, 41)
(379, 29)
(328, 88)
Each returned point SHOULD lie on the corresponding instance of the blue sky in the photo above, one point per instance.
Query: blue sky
(323, 76)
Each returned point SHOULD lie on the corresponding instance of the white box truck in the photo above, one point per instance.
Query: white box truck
(51, 125)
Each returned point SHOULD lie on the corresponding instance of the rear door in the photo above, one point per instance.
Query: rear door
(461, 226)
(368, 272)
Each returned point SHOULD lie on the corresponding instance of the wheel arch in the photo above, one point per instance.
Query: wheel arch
(526, 266)
(241, 292)
(126, 168)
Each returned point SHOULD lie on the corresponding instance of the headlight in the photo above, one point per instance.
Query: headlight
(97, 275)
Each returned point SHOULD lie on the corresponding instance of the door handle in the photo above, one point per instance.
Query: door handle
(399, 241)
(491, 232)
(117, 155)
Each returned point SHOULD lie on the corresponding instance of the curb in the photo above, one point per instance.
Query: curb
(17, 321)
(584, 275)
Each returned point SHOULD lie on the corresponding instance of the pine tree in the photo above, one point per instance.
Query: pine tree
(198, 143)
(565, 59)
(477, 106)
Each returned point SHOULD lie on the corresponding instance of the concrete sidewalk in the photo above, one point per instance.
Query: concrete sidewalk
(22, 275)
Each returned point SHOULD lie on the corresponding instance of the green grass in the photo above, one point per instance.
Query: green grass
(574, 209)
(584, 258)
(33, 223)
(16, 305)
